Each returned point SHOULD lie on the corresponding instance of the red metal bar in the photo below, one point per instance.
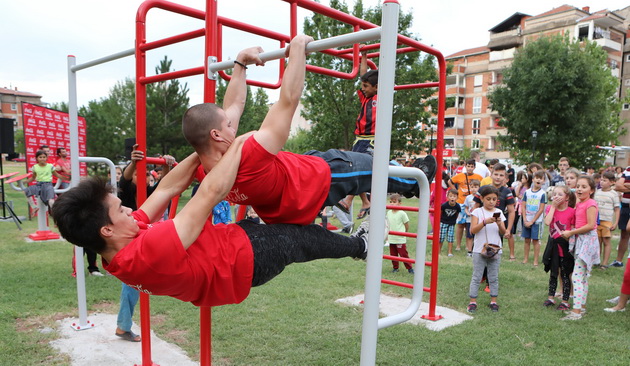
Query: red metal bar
(171, 75)
(174, 39)
(8, 175)
(399, 259)
(403, 233)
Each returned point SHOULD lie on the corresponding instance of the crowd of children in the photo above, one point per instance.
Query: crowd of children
(574, 213)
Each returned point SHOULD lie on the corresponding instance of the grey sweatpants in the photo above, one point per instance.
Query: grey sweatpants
(479, 264)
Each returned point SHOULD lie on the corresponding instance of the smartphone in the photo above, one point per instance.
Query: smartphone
(496, 215)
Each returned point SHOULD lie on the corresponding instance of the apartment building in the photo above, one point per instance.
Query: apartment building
(11, 104)
(471, 123)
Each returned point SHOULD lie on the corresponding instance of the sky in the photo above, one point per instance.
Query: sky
(38, 35)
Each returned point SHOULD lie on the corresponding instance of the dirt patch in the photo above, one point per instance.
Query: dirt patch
(38, 322)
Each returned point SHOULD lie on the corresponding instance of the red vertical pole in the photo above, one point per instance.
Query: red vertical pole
(141, 140)
(212, 49)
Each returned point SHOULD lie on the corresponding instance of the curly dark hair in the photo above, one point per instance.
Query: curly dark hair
(81, 212)
(370, 77)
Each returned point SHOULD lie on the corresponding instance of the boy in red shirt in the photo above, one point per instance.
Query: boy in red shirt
(188, 257)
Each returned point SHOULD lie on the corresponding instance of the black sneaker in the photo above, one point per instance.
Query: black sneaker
(472, 307)
(616, 264)
(494, 307)
(548, 303)
(348, 229)
(395, 270)
(411, 271)
(428, 165)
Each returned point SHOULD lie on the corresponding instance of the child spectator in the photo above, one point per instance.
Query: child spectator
(557, 259)
(450, 210)
(586, 250)
(461, 182)
(608, 204)
(571, 177)
(42, 172)
(469, 206)
(487, 225)
(532, 208)
(398, 221)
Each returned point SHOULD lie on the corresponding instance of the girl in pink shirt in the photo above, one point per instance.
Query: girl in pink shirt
(557, 259)
(586, 250)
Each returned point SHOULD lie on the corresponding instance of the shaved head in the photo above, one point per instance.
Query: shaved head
(197, 123)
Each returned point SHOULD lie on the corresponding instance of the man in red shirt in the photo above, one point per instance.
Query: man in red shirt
(282, 187)
(188, 257)
(62, 166)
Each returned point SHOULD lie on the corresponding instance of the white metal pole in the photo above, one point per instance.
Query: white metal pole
(74, 181)
(380, 172)
(315, 46)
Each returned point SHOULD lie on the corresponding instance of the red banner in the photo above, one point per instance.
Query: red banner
(446, 153)
(45, 126)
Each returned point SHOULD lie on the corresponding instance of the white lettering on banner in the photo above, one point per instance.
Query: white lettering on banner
(31, 121)
(38, 113)
(32, 140)
(48, 115)
(58, 135)
(28, 130)
(52, 125)
(66, 136)
(65, 118)
(81, 138)
(57, 118)
(30, 150)
(40, 133)
(41, 123)
(28, 110)
(43, 142)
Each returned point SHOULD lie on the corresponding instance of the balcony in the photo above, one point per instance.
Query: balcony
(608, 44)
(504, 40)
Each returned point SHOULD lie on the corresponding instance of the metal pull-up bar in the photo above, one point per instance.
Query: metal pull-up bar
(315, 46)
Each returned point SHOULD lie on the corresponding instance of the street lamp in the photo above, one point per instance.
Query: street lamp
(534, 135)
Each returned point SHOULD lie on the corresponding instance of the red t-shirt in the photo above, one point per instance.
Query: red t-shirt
(286, 188)
(217, 269)
(64, 163)
(366, 122)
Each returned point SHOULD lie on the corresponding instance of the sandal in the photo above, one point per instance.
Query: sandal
(512, 259)
(343, 206)
(129, 336)
(363, 212)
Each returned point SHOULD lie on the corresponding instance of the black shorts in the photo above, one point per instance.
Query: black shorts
(624, 215)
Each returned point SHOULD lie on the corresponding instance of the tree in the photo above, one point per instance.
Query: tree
(332, 104)
(167, 101)
(111, 120)
(563, 90)
(256, 107)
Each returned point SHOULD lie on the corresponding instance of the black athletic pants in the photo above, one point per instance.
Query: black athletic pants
(276, 246)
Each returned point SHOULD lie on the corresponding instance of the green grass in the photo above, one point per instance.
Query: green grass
(293, 320)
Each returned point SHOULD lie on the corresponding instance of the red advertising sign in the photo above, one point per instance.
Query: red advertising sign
(446, 153)
(45, 126)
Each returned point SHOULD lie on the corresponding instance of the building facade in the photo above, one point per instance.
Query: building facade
(471, 123)
(11, 104)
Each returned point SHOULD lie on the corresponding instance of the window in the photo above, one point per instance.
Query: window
(478, 80)
(14, 106)
(475, 144)
(583, 32)
(627, 82)
(477, 105)
(613, 64)
(627, 58)
(449, 122)
(475, 126)
(626, 106)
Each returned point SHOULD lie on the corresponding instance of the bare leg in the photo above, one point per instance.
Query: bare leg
(536, 251)
(459, 232)
(623, 245)
(526, 250)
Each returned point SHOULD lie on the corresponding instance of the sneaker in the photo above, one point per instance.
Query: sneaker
(96, 274)
(613, 310)
(572, 316)
(395, 270)
(603, 266)
(549, 303)
(450, 255)
(494, 307)
(614, 300)
(428, 166)
(563, 307)
(364, 228)
(487, 289)
(469, 254)
(616, 264)
(411, 271)
(471, 308)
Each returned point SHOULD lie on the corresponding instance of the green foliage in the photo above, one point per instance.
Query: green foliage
(563, 90)
(20, 144)
(256, 107)
(112, 119)
(299, 143)
(332, 104)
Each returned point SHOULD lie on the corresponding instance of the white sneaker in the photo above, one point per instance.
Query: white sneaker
(573, 316)
(96, 274)
(614, 300)
(613, 310)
